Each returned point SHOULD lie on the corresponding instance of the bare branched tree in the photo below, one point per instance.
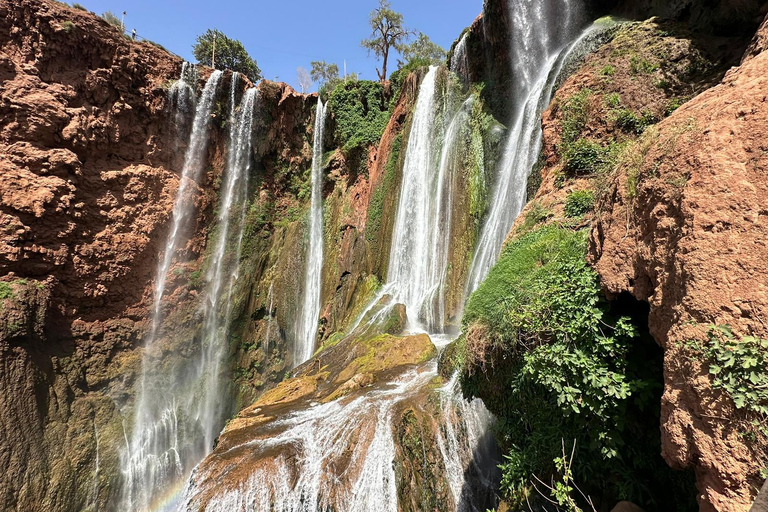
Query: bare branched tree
(388, 32)
(305, 82)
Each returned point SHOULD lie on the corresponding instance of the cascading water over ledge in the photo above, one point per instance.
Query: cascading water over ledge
(306, 325)
(179, 407)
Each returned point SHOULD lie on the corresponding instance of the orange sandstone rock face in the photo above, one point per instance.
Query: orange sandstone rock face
(87, 178)
(685, 229)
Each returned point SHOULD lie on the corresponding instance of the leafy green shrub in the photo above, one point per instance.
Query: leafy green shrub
(630, 122)
(579, 203)
(608, 70)
(674, 104)
(587, 157)
(6, 292)
(68, 26)
(560, 366)
(613, 100)
(79, 7)
(360, 112)
(739, 367)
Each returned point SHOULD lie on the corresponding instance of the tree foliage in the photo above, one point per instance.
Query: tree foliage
(229, 54)
(388, 32)
(422, 51)
(325, 74)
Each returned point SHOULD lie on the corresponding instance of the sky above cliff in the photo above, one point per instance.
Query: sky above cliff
(283, 35)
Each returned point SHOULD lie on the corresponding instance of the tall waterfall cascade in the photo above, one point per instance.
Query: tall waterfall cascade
(306, 328)
(179, 408)
(539, 46)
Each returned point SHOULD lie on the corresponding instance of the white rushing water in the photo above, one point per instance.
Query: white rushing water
(223, 265)
(270, 318)
(179, 408)
(340, 455)
(323, 437)
(307, 319)
(412, 274)
(540, 32)
(460, 59)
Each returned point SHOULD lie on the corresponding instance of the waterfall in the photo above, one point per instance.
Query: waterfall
(222, 270)
(179, 408)
(182, 94)
(183, 208)
(464, 425)
(412, 273)
(537, 51)
(270, 317)
(460, 59)
(306, 329)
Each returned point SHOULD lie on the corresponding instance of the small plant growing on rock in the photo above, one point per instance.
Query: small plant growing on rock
(585, 156)
(738, 366)
(6, 292)
(608, 70)
(579, 203)
(68, 26)
(79, 7)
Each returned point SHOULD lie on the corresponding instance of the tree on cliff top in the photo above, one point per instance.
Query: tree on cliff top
(220, 52)
(421, 52)
(388, 32)
(325, 73)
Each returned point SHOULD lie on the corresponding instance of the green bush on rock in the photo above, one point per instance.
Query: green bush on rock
(360, 112)
(546, 354)
(578, 203)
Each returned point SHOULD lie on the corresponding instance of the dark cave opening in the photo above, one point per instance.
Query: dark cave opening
(663, 488)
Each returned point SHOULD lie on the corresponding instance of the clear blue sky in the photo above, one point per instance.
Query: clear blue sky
(285, 34)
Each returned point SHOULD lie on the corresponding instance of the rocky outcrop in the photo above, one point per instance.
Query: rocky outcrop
(266, 442)
(86, 183)
(690, 241)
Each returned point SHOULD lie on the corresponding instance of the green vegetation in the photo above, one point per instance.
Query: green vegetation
(360, 112)
(6, 291)
(575, 117)
(384, 191)
(327, 75)
(589, 157)
(422, 52)
(228, 54)
(638, 65)
(630, 122)
(579, 203)
(537, 214)
(553, 362)
(608, 70)
(68, 26)
(738, 366)
(79, 6)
